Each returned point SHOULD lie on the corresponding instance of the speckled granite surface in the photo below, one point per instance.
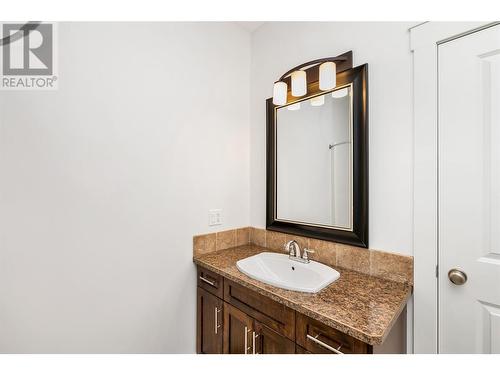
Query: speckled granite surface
(360, 305)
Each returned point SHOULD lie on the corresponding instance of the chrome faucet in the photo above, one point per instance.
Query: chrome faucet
(293, 249)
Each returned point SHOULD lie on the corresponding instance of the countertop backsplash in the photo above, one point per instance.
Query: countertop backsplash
(386, 265)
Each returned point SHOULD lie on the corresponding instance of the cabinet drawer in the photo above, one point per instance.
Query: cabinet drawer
(317, 337)
(210, 281)
(273, 314)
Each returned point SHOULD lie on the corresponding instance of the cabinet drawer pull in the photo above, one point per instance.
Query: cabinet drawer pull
(246, 340)
(326, 346)
(254, 337)
(210, 282)
(217, 325)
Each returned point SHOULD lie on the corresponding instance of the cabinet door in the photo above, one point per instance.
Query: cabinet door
(238, 331)
(209, 332)
(267, 341)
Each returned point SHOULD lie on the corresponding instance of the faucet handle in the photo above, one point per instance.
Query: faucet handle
(305, 253)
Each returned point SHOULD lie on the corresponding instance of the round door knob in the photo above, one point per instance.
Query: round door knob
(457, 277)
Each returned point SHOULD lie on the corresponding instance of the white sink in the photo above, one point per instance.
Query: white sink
(280, 271)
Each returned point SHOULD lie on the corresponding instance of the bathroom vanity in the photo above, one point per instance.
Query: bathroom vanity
(317, 199)
(240, 315)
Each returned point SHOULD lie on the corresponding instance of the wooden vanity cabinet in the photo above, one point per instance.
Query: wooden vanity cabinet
(245, 335)
(272, 314)
(300, 350)
(238, 329)
(209, 331)
(315, 337)
(269, 341)
(211, 282)
(233, 319)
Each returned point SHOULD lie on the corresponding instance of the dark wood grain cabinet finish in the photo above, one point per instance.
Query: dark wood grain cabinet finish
(238, 331)
(300, 350)
(233, 319)
(211, 282)
(316, 337)
(209, 330)
(273, 314)
(245, 335)
(268, 341)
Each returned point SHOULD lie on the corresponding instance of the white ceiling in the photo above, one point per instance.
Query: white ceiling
(249, 26)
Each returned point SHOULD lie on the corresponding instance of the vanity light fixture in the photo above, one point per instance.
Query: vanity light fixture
(327, 75)
(324, 71)
(279, 93)
(299, 83)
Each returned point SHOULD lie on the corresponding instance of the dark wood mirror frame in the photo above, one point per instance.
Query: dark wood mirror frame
(358, 77)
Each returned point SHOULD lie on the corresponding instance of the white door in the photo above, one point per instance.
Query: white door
(469, 193)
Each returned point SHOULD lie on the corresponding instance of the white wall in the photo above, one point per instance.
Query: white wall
(104, 182)
(277, 47)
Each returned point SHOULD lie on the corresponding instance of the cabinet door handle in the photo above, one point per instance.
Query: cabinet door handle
(207, 281)
(324, 345)
(247, 331)
(254, 337)
(217, 325)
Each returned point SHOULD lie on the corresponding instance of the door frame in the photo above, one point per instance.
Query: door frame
(424, 41)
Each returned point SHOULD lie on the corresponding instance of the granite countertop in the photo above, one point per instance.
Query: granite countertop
(363, 306)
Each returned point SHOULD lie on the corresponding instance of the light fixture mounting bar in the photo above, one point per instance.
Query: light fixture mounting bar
(343, 61)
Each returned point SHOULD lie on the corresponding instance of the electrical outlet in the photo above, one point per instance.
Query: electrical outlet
(215, 217)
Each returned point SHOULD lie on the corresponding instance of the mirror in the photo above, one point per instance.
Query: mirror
(317, 162)
(314, 160)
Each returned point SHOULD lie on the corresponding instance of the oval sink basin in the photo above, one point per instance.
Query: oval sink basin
(280, 271)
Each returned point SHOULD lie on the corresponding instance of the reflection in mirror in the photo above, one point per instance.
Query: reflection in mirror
(314, 160)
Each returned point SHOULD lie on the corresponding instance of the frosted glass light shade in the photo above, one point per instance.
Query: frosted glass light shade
(340, 93)
(279, 93)
(299, 83)
(293, 107)
(318, 100)
(327, 76)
